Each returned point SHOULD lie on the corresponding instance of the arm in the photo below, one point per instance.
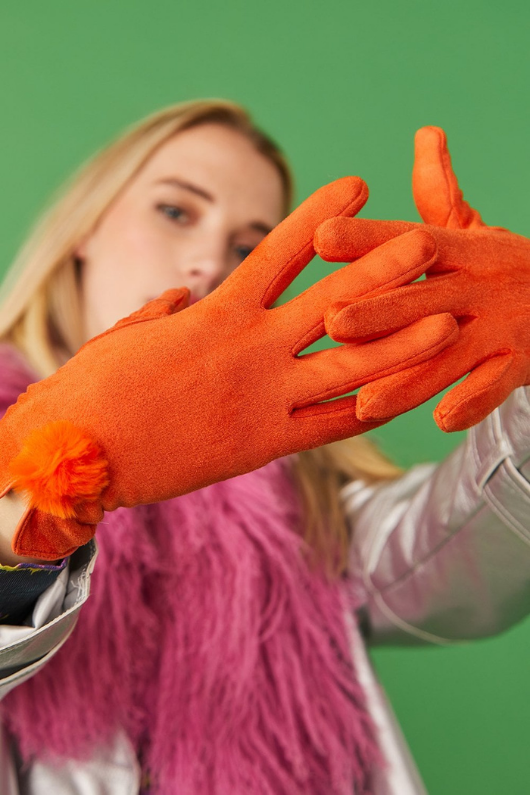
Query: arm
(444, 552)
(38, 604)
(15, 377)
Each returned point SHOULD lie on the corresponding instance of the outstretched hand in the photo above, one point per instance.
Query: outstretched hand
(174, 398)
(481, 275)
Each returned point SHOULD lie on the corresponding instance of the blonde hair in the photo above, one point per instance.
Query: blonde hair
(41, 308)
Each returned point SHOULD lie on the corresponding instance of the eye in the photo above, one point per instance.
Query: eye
(242, 252)
(173, 212)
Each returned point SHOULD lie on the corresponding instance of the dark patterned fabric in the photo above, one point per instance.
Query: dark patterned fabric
(21, 586)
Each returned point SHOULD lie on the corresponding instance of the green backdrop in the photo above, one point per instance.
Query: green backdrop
(342, 85)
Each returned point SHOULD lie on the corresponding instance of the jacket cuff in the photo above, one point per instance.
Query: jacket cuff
(24, 649)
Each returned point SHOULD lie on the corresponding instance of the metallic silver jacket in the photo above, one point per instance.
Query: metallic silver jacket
(431, 554)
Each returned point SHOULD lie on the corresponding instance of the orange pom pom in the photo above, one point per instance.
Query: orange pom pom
(59, 466)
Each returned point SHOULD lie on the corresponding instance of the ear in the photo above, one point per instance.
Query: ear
(81, 249)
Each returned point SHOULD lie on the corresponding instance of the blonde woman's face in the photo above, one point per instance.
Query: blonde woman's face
(198, 207)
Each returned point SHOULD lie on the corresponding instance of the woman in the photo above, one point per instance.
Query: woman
(219, 651)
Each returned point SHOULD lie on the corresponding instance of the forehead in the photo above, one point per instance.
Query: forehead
(223, 162)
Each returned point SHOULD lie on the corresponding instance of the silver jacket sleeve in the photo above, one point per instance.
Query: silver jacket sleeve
(443, 553)
(25, 649)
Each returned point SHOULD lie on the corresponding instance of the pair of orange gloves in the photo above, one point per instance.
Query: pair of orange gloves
(174, 398)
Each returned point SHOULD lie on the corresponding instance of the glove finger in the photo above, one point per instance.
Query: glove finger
(316, 424)
(345, 239)
(323, 423)
(377, 401)
(331, 373)
(280, 257)
(485, 388)
(435, 187)
(382, 314)
(396, 262)
(169, 303)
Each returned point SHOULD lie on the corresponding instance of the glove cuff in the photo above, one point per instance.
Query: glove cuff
(46, 537)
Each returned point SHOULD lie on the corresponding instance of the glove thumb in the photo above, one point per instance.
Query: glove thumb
(438, 198)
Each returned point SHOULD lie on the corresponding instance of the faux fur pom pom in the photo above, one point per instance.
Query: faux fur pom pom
(59, 466)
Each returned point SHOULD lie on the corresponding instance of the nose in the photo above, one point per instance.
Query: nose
(204, 266)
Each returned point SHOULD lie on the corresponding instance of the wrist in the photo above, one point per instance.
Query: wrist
(12, 508)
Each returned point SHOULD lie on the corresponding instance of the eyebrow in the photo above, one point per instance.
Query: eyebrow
(258, 226)
(179, 183)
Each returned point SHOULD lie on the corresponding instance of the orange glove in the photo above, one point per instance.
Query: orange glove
(169, 401)
(481, 276)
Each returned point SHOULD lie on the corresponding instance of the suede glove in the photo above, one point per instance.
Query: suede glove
(174, 398)
(481, 275)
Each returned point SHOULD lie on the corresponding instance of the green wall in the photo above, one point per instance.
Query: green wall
(342, 86)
